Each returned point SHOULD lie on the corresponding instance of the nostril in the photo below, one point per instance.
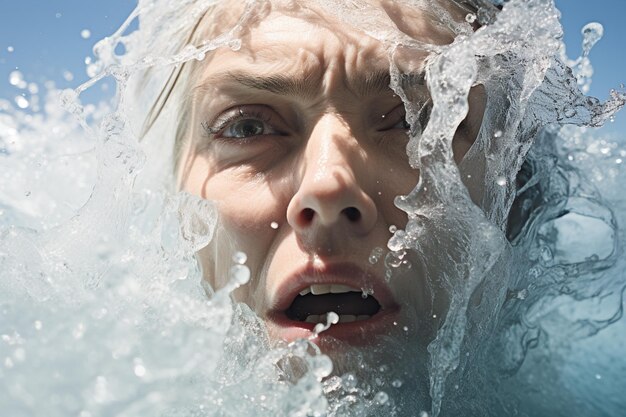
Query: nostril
(352, 213)
(307, 215)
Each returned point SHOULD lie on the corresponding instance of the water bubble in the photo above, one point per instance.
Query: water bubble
(349, 382)
(470, 18)
(381, 397)
(397, 242)
(68, 76)
(240, 258)
(375, 255)
(58, 15)
(394, 259)
(10, 49)
(274, 225)
(38, 325)
(27, 193)
(497, 134)
(85, 33)
(33, 88)
(396, 383)
(240, 274)
(501, 181)
(21, 102)
(393, 228)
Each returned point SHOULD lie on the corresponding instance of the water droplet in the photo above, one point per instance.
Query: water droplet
(388, 275)
(497, 134)
(331, 318)
(274, 225)
(85, 33)
(598, 376)
(38, 325)
(501, 181)
(470, 18)
(240, 258)
(239, 274)
(10, 49)
(15, 77)
(381, 397)
(322, 366)
(21, 102)
(375, 255)
(394, 259)
(139, 370)
(235, 44)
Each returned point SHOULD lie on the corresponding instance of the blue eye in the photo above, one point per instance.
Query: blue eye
(246, 128)
(243, 123)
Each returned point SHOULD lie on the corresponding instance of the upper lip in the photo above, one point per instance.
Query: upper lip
(345, 273)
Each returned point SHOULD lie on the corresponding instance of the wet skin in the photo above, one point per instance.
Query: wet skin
(301, 143)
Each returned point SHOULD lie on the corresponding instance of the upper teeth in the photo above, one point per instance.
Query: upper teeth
(318, 289)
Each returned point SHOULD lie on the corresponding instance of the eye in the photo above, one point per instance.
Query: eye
(244, 122)
(246, 128)
(395, 119)
(402, 124)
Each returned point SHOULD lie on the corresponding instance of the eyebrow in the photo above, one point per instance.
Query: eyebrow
(363, 84)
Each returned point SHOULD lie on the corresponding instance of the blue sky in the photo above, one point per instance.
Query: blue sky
(46, 42)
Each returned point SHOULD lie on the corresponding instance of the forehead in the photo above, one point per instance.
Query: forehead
(309, 39)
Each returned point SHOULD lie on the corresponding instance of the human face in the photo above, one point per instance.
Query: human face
(299, 140)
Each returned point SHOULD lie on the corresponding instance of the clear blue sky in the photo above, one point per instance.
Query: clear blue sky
(46, 39)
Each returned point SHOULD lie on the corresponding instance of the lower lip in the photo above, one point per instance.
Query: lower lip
(355, 333)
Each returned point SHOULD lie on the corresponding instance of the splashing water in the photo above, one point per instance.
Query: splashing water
(519, 242)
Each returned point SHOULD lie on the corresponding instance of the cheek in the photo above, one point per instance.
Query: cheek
(250, 217)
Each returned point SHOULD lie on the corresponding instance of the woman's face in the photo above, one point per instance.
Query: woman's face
(300, 141)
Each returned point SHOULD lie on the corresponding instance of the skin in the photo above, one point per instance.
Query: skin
(314, 185)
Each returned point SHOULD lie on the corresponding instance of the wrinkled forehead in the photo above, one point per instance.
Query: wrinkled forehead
(295, 36)
(430, 21)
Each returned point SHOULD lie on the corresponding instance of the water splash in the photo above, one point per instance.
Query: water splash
(104, 274)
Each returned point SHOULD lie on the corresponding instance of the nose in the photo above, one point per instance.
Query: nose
(332, 182)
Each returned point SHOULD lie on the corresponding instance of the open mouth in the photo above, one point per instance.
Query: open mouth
(313, 303)
(306, 297)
